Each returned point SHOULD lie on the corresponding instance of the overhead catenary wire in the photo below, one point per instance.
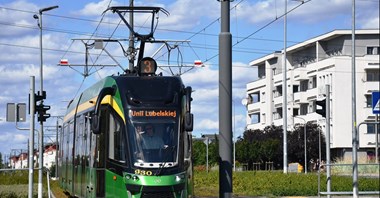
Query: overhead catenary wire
(202, 32)
(77, 52)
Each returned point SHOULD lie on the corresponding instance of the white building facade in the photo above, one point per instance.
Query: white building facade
(311, 65)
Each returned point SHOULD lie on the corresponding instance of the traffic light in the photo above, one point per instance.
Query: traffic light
(38, 97)
(321, 111)
(41, 110)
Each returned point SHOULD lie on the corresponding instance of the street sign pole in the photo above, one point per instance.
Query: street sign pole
(376, 110)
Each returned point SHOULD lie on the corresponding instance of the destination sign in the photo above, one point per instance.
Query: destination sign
(153, 113)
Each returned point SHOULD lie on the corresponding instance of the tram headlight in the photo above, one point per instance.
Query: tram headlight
(180, 177)
(128, 176)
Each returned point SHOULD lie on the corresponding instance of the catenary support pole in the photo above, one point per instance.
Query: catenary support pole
(328, 161)
(355, 185)
(40, 136)
(131, 48)
(225, 102)
(284, 98)
(41, 144)
(31, 136)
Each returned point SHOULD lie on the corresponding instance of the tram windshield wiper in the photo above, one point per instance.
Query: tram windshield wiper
(162, 165)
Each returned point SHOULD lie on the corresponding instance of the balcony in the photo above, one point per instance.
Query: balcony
(278, 122)
(254, 107)
(300, 74)
(255, 84)
(371, 85)
(312, 92)
(300, 97)
(277, 79)
(254, 126)
(277, 101)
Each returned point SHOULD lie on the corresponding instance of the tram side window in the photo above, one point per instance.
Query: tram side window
(116, 140)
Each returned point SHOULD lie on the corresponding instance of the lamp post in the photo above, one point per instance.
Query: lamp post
(41, 146)
(304, 137)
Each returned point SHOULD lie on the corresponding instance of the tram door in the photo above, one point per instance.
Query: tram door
(63, 156)
(91, 168)
(85, 156)
(70, 157)
(78, 155)
(100, 154)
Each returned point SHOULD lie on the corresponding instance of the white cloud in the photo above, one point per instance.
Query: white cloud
(325, 10)
(18, 22)
(96, 8)
(205, 77)
(207, 124)
(371, 23)
(187, 14)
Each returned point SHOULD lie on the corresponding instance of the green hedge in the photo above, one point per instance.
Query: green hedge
(14, 183)
(276, 183)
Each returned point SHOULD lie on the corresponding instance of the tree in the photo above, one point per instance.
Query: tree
(296, 144)
(260, 146)
(1, 161)
(199, 153)
(267, 145)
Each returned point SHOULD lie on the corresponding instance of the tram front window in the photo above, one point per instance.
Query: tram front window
(154, 144)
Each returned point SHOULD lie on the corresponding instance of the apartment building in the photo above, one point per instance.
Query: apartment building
(311, 65)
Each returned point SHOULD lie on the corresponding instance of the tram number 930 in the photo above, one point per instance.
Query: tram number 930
(143, 172)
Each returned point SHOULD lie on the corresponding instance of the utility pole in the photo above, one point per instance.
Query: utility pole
(31, 136)
(328, 161)
(355, 189)
(225, 102)
(131, 48)
(41, 146)
(284, 98)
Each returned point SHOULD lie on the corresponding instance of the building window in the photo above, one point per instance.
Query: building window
(368, 99)
(295, 88)
(312, 106)
(372, 50)
(277, 114)
(295, 112)
(278, 91)
(373, 75)
(303, 109)
(255, 118)
(303, 85)
(254, 97)
(313, 82)
(371, 128)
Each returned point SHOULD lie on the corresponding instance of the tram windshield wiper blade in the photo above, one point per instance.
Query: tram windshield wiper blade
(158, 172)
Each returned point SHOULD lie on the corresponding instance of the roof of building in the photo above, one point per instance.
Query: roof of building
(324, 37)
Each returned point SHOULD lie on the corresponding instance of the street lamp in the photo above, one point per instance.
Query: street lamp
(39, 17)
(304, 136)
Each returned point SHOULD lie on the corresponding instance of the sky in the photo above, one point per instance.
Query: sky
(193, 27)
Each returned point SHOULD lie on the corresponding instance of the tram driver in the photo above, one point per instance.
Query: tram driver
(150, 140)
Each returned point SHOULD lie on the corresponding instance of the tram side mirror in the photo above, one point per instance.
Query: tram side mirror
(189, 121)
(95, 125)
(188, 91)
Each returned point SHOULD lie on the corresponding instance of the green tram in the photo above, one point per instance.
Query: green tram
(103, 152)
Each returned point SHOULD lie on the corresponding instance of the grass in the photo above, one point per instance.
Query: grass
(14, 183)
(248, 183)
(276, 183)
